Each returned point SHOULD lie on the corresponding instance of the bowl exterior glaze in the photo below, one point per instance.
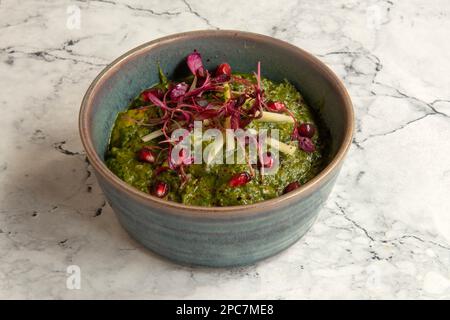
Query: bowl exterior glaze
(216, 242)
(228, 236)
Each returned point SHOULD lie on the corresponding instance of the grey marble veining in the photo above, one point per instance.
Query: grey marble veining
(385, 231)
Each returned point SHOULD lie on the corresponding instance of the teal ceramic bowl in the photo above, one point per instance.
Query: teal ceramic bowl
(217, 236)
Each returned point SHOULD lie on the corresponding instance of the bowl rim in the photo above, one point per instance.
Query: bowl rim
(240, 210)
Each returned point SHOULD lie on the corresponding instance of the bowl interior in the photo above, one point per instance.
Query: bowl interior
(130, 74)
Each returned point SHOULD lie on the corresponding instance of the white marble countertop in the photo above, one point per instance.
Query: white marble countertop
(385, 231)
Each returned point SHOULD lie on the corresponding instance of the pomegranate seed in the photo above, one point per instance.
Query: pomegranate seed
(306, 144)
(223, 69)
(160, 189)
(291, 187)
(306, 130)
(267, 160)
(145, 155)
(240, 179)
(276, 106)
(157, 92)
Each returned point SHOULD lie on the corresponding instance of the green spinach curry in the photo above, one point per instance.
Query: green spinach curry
(140, 147)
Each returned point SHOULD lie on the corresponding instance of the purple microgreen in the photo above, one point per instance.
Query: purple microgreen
(156, 101)
(178, 91)
(195, 64)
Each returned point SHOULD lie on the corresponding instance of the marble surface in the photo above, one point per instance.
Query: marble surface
(385, 231)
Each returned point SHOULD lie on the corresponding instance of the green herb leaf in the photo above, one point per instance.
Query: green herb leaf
(164, 82)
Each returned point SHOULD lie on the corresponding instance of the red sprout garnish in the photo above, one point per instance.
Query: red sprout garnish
(220, 79)
(239, 79)
(291, 187)
(204, 86)
(266, 160)
(306, 130)
(181, 160)
(235, 115)
(258, 91)
(157, 102)
(276, 106)
(195, 64)
(157, 92)
(306, 144)
(202, 102)
(240, 179)
(240, 100)
(160, 189)
(178, 91)
(145, 155)
(182, 104)
(207, 114)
